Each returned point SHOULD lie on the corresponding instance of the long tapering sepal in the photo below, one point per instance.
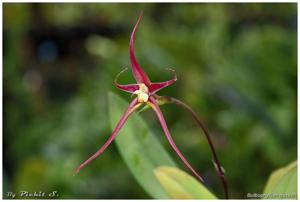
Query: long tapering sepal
(138, 73)
(131, 108)
(164, 126)
(216, 162)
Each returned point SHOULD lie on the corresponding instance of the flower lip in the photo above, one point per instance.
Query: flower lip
(142, 93)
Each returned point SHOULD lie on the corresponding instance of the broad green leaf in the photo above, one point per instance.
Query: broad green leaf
(181, 185)
(282, 183)
(139, 148)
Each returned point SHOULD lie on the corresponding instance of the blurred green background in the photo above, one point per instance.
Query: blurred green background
(236, 66)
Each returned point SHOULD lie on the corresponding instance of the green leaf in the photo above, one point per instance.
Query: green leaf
(139, 148)
(282, 183)
(181, 185)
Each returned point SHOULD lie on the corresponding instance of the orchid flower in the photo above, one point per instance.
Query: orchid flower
(145, 92)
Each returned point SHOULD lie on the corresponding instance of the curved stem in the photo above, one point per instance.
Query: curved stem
(219, 169)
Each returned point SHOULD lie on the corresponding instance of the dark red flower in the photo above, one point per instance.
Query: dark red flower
(145, 90)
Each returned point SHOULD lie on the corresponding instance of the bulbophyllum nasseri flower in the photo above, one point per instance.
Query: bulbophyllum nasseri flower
(145, 92)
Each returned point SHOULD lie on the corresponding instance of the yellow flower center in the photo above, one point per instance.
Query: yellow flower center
(142, 93)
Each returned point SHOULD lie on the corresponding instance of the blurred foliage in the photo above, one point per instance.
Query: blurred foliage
(236, 66)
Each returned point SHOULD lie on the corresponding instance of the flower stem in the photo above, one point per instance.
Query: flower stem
(219, 169)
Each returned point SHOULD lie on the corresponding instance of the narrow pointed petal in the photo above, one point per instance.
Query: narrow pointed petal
(164, 126)
(154, 87)
(130, 88)
(131, 108)
(138, 73)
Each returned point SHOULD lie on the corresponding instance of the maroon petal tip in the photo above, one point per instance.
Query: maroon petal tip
(154, 87)
(130, 88)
